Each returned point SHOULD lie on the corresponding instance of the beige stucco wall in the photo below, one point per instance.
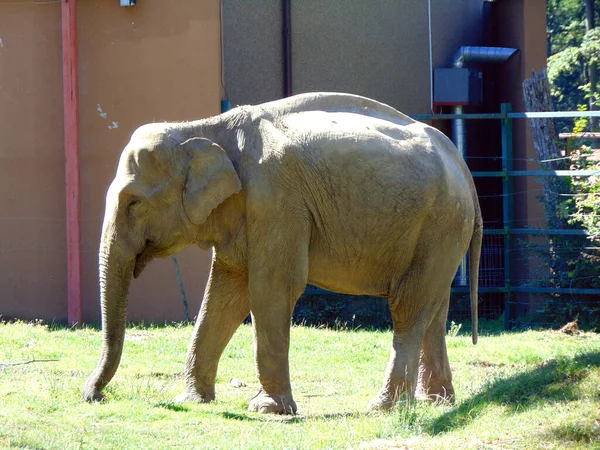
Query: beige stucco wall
(156, 61)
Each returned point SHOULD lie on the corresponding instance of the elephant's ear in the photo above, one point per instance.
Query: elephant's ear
(210, 179)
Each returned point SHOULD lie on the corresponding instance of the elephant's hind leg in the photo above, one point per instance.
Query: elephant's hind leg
(402, 370)
(410, 315)
(435, 377)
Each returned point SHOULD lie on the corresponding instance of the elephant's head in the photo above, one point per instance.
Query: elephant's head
(163, 192)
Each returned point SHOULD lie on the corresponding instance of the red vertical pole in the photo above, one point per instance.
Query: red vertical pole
(71, 129)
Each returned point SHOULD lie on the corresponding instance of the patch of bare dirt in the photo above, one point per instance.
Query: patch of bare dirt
(485, 364)
(136, 336)
(570, 329)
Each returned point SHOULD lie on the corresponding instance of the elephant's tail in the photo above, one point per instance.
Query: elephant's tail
(474, 257)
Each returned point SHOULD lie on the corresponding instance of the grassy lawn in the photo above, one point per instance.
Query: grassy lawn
(534, 389)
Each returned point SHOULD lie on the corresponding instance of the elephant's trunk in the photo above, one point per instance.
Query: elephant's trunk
(115, 277)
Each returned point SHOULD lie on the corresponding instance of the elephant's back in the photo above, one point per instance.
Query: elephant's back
(332, 102)
(373, 158)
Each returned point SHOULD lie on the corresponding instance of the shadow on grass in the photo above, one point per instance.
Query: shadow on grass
(262, 418)
(290, 419)
(242, 417)
(551, 381)
(172, 406)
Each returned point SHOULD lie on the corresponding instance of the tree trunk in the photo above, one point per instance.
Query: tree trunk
(536, 94)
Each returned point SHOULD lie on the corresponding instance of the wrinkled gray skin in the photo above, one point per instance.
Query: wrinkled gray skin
(335, 190)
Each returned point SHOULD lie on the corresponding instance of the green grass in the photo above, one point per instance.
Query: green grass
(533, 389)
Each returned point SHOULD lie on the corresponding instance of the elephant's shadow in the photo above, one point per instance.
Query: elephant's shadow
(179, 407)
(551, 381)
(291, 419)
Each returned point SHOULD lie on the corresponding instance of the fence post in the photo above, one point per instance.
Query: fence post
(507, 206)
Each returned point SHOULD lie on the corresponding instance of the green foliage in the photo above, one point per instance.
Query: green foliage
(565, 73)
(565, 24)
(571, 50)
(586, 204)
(584, 212)
(581, 123)
(570, 262)
(590, 46)
(566, 70)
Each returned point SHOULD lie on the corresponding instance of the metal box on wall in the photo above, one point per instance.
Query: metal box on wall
(453, 86)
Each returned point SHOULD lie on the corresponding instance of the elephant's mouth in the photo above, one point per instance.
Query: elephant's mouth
(144, 257)
(151, 251)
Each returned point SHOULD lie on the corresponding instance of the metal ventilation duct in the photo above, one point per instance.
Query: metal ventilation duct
(462, 56)
(468, 54)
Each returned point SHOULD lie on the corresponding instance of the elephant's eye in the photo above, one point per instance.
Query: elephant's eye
(132, 203)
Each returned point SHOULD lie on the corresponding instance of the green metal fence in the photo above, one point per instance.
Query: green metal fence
(506, 117)
(506, 235)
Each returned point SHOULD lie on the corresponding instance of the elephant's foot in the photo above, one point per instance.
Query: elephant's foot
(272, 404)
(437, 393)
(192, 395)
(386, 400)
(91, 393)
(382, 402)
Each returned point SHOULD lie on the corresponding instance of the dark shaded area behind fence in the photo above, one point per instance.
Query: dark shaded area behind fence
(529, 276)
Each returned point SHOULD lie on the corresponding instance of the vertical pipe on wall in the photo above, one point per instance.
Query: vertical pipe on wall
(458, 136)
(287, 47)
(71, 136)
(430, 58)
(225, 102)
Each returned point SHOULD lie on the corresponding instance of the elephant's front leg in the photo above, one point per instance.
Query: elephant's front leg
(271, 346)
(277, 277)
(223, 309)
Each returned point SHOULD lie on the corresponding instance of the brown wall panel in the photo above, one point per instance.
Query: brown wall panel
(522, 24)
(157, 61)
(32, 211)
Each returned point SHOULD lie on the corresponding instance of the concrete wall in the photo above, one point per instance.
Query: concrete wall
(377, 48)
(157, 61)
(252, 50)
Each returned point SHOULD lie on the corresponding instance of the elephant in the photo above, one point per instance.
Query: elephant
(336, 190)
